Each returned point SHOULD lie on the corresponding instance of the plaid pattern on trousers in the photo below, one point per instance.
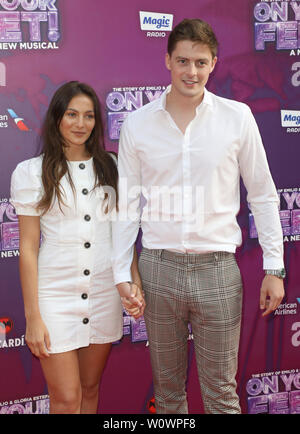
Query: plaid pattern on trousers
(205, 290)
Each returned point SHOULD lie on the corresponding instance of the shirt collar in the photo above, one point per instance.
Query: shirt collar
(207, 99)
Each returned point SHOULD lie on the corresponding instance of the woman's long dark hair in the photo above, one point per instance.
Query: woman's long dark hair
(54, 165)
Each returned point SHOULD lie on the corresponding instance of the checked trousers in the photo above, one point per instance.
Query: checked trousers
(204, 290)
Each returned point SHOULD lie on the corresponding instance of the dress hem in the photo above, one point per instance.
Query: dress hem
(92, 341)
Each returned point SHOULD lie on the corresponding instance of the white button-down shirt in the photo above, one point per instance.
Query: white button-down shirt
(186, 187)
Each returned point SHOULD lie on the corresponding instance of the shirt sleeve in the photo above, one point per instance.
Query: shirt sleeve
(125, 227)
(262, 195)
(26, 188)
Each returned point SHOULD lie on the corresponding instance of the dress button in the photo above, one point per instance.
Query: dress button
(87, 245)
(85, 320)
(87, 218)
(84, 191)
(84, 296)
(81, 166)
(86, 272)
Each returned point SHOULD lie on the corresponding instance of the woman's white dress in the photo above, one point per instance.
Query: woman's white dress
(78, 300)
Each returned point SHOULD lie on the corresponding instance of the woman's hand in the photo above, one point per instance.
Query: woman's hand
(37, 337)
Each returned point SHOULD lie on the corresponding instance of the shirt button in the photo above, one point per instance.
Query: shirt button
(87, 218)
(81, 166)
(84, 296)
(85, 320)
(87, 245)
(84, 191)
(86, 272)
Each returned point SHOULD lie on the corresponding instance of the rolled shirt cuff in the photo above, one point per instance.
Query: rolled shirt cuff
(122, 277)
(273, 264)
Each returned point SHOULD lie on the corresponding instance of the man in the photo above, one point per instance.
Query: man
(192, 146)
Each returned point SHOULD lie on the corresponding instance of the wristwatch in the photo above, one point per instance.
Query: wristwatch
(278, 273)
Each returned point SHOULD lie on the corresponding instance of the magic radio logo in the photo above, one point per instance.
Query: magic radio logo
(156, 24)
(290, 119)
(29, 24)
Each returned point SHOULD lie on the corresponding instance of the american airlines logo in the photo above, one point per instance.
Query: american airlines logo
(18, 120)
(290, 118)
(156, 21)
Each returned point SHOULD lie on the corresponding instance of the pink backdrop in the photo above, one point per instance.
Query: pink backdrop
(45, 43)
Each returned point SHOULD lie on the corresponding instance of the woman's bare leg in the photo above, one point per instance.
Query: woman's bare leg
(63, 379)
(92, 360)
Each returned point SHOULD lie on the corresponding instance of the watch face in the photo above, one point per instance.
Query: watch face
(282, 273)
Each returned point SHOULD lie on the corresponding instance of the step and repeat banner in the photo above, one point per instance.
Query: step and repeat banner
(119, 48)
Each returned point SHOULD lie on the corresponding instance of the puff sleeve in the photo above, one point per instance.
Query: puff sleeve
(26, 187)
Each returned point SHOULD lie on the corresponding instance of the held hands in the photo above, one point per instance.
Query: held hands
(132, 299)
(136, 311)
(37, 337)
(271, 294)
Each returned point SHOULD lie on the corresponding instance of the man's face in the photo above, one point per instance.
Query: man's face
(190, 64)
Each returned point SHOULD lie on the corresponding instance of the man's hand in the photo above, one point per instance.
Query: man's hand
(132, 299)
(271, 293)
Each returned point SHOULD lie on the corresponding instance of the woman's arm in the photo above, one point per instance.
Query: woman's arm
(135, 290)
(37, 337)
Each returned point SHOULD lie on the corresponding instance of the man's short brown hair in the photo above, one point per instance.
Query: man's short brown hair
(193, 30)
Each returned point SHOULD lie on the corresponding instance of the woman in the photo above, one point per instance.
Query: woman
(73, 310)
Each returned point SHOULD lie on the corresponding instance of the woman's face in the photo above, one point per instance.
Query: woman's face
(78, 121)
